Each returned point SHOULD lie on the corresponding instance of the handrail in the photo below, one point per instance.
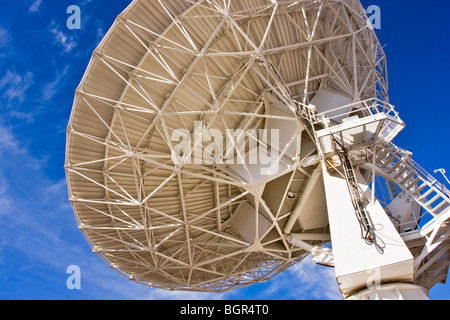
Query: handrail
(405, 156)
(373, 106)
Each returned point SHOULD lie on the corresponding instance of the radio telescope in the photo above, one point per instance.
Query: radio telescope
(215, 143)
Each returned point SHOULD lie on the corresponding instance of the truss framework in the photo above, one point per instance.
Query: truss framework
(165, 65)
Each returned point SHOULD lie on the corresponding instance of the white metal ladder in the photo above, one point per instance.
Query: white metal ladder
(367, 231)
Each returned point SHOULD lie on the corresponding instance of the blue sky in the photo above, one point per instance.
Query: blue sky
(41, 64)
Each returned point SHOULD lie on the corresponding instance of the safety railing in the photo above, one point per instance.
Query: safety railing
(365, 108)
(405, 156)
(355, 125)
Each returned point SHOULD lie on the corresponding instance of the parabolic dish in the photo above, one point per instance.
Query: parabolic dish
(155, 189)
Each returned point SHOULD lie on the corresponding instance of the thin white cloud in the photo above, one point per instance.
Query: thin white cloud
(4, 37)
(5, 199)
(14, 149)
(312, 281)
(15, 85)
(7, 140)
(10, 147)
(50, 88)
(99, 24)
(68, 43)
(159, 294)
(35, 6)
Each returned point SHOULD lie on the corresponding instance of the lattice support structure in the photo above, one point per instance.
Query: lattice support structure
(191, 215)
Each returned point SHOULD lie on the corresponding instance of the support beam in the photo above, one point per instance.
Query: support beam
(358, 264)
(303, 199)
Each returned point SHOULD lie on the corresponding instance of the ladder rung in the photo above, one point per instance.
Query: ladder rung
(408, 176)
(382, 155)
(400, 172)
(417, 191)
(388, 161)
(355, 194)
(426, 194)
(432, 200)
(395, 166)
(413, 183)
(439, 206)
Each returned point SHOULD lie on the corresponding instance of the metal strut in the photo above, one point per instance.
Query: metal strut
(367, 231)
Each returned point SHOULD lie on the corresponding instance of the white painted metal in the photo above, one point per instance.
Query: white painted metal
(170, 70)
(356, 263)
(396, 291)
